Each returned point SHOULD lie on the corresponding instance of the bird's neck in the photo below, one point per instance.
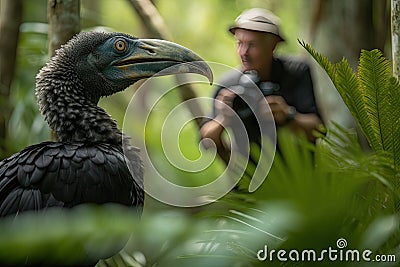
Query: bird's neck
(74, 117)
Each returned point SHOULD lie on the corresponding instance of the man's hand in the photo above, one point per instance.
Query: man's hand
(224, 105)
(306, 123)
(279, 108)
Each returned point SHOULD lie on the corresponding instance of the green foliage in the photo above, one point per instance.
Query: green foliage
(314, 195)
(84, 234)
(26, 125)
(372, 96)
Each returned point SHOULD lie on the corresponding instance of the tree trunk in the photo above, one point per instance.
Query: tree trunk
(348, 27)
(151, 19)
(395, 19)
(64, 22)
(155, 25)
(10, 21)
(344, 28)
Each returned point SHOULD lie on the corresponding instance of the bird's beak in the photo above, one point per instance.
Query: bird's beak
(159, 57)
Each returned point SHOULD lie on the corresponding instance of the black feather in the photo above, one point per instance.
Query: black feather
(88, 174)
(87, 163)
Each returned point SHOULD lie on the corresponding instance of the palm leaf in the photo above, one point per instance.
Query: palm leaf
(394, 118)
(346, 83)
(391, 119)
(321, 59)
(372, 96)
(374, 73)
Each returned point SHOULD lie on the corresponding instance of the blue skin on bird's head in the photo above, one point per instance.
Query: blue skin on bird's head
(91, 161)
(95, 64)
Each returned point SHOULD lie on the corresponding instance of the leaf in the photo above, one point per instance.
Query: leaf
(374, 73)
(391, 119)
(78, 236)
(322, 60)
(380, 230)
(372, 96)
(346, 83)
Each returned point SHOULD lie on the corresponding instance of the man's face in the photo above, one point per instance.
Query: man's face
(255, 49)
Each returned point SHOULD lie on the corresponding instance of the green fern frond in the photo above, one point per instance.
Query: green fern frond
(381, 93)
(338, 149)
(347, 84)
(374, 72)
(372, 96)
(321, 59)
(393, 118)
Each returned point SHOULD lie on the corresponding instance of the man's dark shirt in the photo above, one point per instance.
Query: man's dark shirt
(295, 86)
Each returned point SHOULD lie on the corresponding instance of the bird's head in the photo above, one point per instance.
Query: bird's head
(106, 63)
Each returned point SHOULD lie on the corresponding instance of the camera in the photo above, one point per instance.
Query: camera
(248, 91)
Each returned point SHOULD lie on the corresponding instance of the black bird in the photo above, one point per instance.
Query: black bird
(91, 161)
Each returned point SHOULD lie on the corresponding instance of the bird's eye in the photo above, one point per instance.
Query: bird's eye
(120, 45)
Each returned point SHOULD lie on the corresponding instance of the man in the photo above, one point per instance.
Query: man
(292, 103)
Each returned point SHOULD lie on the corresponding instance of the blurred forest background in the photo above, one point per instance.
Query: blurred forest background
(335, 28)
(347, 189)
